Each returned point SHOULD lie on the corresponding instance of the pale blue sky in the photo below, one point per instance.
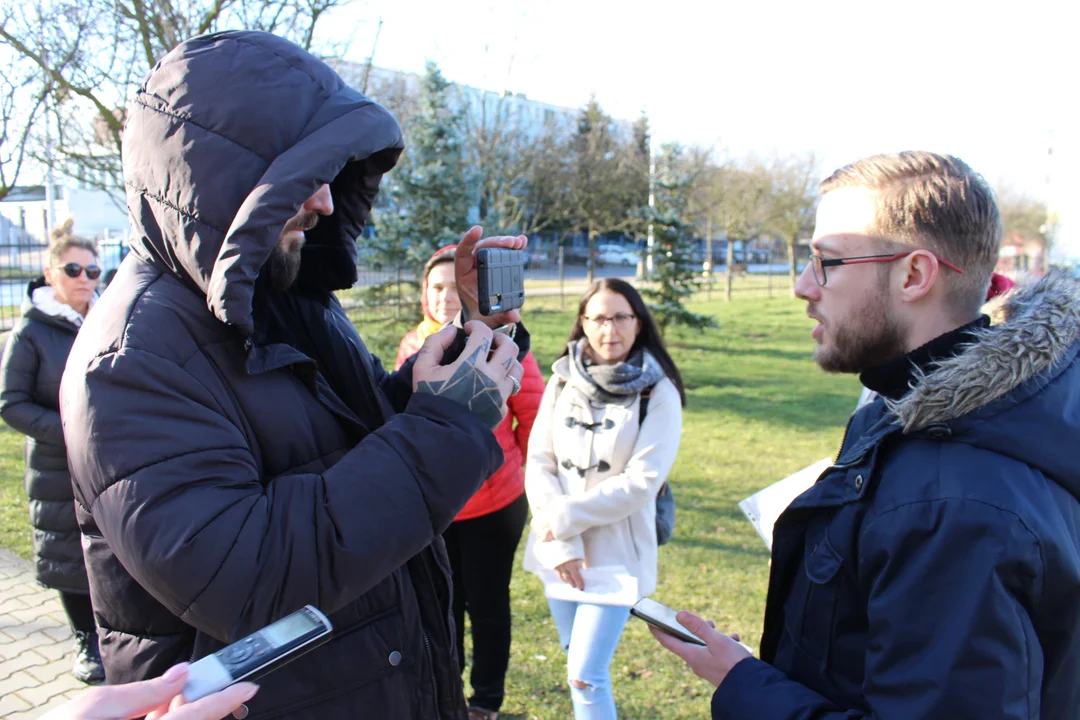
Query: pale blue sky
(982, 80)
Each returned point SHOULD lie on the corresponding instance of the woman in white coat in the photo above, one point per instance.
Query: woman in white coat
(593, 471)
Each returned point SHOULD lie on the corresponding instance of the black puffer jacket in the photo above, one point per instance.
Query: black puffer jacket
(224, 481)
(33, 363)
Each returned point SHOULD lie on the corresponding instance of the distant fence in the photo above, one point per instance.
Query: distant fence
(20, 262)
(389, 294)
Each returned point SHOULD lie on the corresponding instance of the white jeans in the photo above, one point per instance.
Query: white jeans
(589, 634)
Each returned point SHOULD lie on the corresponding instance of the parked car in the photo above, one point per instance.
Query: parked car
(537, 259)
(617, 255)
(573, 254)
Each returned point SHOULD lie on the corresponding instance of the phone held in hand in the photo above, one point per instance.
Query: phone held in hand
(259, 653)
(663, 618)
(500, 279)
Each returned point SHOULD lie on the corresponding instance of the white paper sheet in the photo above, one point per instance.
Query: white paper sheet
(765, 506)
(610, 585)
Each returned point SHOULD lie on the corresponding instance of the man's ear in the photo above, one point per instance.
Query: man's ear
(921, 272)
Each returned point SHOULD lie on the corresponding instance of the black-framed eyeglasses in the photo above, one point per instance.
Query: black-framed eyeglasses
(819, 263)
(619, 320)
(74, 270)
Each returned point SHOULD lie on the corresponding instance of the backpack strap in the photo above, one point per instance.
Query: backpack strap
(644, 406)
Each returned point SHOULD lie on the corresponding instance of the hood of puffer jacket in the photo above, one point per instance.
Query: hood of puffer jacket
(1016, 389)
(225, 140)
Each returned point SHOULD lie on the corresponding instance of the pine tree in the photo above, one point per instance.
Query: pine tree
(673, 273)
(427, 197)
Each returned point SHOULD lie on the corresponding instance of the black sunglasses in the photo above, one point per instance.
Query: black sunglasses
(73, 270)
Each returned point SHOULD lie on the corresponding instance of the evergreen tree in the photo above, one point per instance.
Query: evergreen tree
(600, 173)
(426, 199)
(673, 272)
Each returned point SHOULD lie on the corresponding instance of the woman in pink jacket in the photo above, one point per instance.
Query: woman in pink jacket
(483, 538)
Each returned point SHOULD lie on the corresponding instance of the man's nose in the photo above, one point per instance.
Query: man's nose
(806, 287)
(322, 202)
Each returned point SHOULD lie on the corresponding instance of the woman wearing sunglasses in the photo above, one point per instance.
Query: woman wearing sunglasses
(33, 363)
(595, 465)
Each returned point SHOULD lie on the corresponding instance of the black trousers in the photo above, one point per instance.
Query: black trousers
(482, 559)
(79, 611)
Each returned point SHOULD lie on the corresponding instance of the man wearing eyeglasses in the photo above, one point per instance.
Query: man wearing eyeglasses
(934, 570)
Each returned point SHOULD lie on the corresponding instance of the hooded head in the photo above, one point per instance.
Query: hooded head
(226, 139)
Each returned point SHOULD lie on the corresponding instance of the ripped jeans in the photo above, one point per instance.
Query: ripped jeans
(589, 634)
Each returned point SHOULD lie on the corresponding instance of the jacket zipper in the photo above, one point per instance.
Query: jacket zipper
(431, 667)
(847, 428)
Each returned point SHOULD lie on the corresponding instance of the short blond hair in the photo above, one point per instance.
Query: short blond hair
(935, 202)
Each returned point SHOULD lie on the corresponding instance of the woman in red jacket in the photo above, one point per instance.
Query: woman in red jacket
(483, 538)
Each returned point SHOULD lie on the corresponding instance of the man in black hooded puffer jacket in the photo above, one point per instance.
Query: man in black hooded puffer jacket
(236, 451)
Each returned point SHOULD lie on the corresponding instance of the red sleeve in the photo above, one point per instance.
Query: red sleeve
(525, 404)
(410, 345)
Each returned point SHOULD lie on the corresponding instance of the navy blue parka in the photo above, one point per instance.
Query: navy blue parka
(934, 570)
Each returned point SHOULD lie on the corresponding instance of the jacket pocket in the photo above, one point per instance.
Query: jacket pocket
(355, 670)
(813, 604)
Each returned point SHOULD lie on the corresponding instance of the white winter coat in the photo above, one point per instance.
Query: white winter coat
(603, 518)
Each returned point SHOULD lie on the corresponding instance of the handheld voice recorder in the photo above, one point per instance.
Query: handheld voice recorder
(259, 653)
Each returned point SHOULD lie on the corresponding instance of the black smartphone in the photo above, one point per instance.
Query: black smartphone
(500, 279)
(663, 618)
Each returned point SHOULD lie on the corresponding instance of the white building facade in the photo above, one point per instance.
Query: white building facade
(97, 214)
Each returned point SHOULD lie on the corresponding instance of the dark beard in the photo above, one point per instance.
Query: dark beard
(282, 268)
(866, 341)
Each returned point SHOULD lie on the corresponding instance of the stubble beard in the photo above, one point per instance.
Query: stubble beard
(283, 265)
(871, 337)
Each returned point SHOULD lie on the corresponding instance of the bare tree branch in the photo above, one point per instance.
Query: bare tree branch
(91, 54)
(12, 159)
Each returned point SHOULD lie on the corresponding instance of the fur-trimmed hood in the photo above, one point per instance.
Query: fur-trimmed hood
(1015, 390)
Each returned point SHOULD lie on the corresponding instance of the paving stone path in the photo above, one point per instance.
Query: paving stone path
(37, 648)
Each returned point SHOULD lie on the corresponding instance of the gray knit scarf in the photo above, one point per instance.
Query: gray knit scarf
(614, 384)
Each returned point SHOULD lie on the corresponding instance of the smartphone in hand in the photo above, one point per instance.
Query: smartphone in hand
(663, 618)
(500, 279)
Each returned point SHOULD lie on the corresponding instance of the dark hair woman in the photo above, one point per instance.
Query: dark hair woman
(33, 364)
(594, 468)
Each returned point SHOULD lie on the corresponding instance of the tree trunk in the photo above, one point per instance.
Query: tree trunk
(794, 266)
(590, 263)
(708, 258)
(730, 263)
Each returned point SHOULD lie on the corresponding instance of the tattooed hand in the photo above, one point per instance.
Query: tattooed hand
(479, 379)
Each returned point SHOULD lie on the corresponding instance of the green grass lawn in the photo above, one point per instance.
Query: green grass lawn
(758, 409)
